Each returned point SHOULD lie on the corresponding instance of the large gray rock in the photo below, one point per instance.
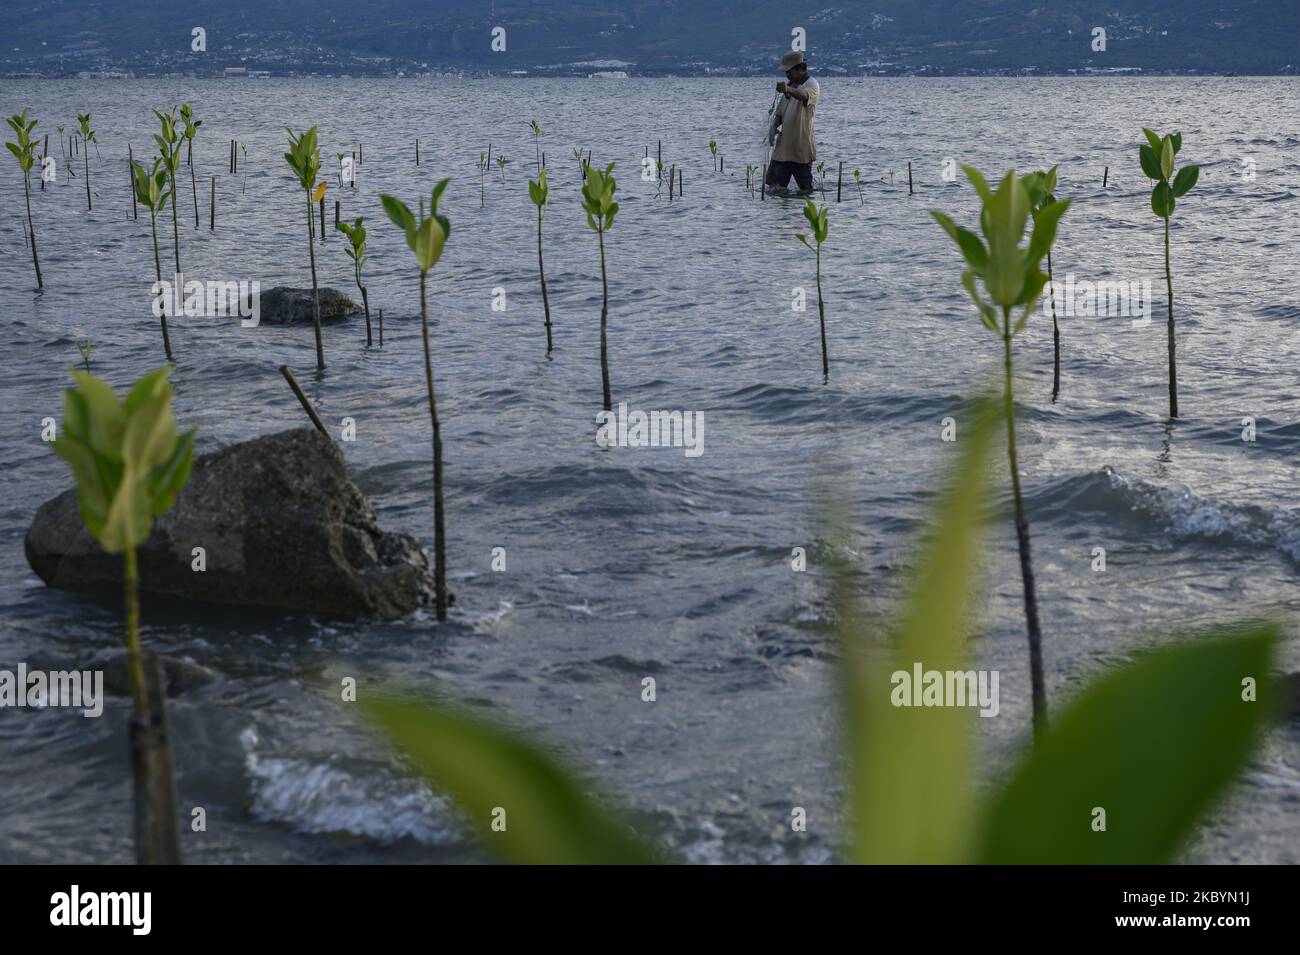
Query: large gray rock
(284, 306)
(281, 526)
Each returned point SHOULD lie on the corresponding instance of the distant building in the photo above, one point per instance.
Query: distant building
(240, 72)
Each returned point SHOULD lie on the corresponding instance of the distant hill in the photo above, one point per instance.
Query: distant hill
(671, 36)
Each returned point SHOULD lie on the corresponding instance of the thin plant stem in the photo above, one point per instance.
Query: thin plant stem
(1173, 361)
(176, 230)
(439, 532)
(194, 189)
(315, 293)
(1022, 539)
(27, 195)
(821, 314)
(604, 315)
(1056, 332)
(541, 271)
(157, 271)
(131, 595)
(365, 301)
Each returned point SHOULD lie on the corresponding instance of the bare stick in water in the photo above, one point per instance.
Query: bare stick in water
(302, 399)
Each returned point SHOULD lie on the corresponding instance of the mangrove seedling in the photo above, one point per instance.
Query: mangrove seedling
(1040, 186)
(129, 464)
(25, 152)
(65, 156)
(1157, 159)
(356, 250)
(857, 181)
(169, 145)
(88, 136)
(303, 158)
(821, 175)
(598, 202)
(83, 349)
(819, 227)
(426, 237)
(538, 192)
(482, 177)
(501, 165)
(152, 192)
(190, 129)
(244, 186)
(1012, 280)
(537, 142)
(713, 150)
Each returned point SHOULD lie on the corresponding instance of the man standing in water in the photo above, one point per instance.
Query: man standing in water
(796, 149)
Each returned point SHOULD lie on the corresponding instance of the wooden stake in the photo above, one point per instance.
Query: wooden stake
(130, 168)
(322, 218)
(336, 213)
(1104, 176)
(46, 151)
(839, 182)
(909, 178)
(212, 209)
(679, 184)
(381, 328)
(672, 176)
(302, 400)
(417, 151)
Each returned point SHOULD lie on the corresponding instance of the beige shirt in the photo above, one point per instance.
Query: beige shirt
(796, 142)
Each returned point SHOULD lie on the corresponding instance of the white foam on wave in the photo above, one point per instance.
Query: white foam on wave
(1188, 515)
(317, 797)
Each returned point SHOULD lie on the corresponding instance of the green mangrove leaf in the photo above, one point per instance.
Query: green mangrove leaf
(1154, 744)
(981, 185)
(549, 818)
(1162, 200)
(400, 215)
(1185, 179)
(910, 765)
(972, 249)
(1046, 220)
(167, 480)
(1150, 164)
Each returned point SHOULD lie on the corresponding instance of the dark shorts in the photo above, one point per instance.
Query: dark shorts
(779, 173)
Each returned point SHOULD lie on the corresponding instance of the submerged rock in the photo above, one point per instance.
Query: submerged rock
(284, 306)
(280, 526)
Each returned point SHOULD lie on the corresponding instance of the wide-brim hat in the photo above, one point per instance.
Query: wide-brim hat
(791, 60)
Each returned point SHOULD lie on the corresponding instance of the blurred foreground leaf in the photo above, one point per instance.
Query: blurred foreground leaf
(911, 765)
(1154, 743)
(549, 817)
